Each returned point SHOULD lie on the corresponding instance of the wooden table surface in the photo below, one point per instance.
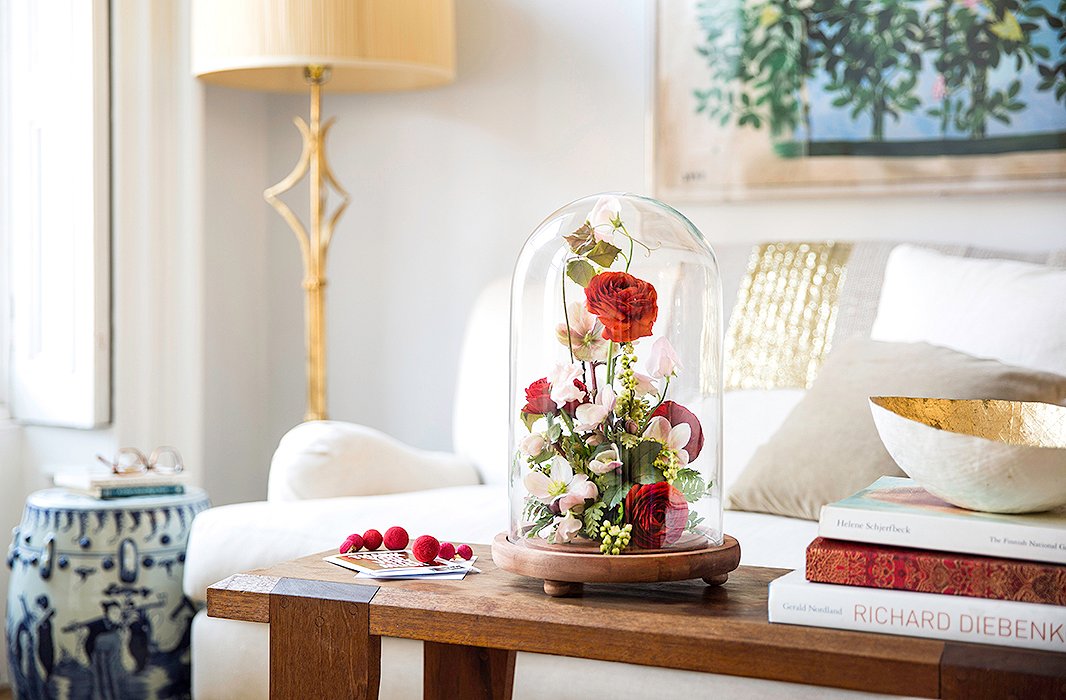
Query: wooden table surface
(683, 625)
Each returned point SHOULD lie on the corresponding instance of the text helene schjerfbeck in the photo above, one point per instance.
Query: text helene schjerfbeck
(906, 530)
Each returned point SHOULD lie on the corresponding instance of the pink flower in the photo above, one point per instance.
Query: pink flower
(603, 217)
(672, 438)
(588, 416)
(662, 361)
(940, 87)
(532, 444)
(560, 485)
(563, 388)
(585, 335)
(566, 528)
(606, 461)
(645, 384)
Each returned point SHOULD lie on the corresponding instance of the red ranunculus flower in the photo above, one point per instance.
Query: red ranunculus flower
(675, 413)
(538, 398)
(624, 304)
(658, 513)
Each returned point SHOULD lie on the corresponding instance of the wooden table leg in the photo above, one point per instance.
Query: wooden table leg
(460, 671)
(320, 641)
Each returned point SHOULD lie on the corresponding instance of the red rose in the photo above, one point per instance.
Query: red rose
(538, 398)
(658, 513)
(624, 304)
(675, 413)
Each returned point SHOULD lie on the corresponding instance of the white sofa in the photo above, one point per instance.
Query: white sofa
(328, 479)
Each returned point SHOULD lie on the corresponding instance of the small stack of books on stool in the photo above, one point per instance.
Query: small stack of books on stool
(897, 560)
(105, 485)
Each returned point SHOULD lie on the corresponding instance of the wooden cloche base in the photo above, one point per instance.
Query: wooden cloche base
(564, 572)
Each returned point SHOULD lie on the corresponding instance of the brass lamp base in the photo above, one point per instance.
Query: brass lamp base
(314, 241)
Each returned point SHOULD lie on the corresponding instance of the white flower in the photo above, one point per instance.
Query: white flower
(588, 416)
(566, 528)
(606, 461)
(571, 489)
(604, 214)
(532, 444)
(674, 438)
(562, 382)
(585, 335)
(662, 360)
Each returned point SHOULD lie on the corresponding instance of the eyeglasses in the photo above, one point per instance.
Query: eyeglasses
(130, 460)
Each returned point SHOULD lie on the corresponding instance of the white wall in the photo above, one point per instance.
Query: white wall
(549, 105)
(237, 306)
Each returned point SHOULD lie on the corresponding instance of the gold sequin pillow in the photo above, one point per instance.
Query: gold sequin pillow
(828, 447)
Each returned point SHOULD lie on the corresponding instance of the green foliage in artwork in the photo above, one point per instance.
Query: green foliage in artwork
(870, 55)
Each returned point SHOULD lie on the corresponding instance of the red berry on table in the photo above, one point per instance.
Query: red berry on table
(464, 551)
(352, 543)
(426, 549)
(447, 551)
(371, 540)
(396, 538)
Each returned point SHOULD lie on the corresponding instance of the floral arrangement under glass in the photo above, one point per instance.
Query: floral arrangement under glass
(608, 454)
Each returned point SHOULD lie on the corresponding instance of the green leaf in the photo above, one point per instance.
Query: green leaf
(592, 517)
(581, 241)
(528, 419)
(639, 462)
(603, 254)
(555, 432)
(690, 484)
(580, 271)
(615, 494)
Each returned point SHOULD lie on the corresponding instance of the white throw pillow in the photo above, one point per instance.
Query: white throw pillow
(1010, 311)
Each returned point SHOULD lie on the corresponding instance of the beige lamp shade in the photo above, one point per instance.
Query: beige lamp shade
(369, 45)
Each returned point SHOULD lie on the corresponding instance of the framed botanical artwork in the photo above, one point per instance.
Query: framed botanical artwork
(795, 97)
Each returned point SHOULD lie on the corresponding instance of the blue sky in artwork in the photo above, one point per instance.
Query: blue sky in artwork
(1042, 114)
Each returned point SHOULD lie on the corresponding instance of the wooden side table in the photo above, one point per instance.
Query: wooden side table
(326, 629)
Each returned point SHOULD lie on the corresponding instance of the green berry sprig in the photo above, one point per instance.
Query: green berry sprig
(615, 538)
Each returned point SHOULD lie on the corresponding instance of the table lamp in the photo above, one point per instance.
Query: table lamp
(311, 46)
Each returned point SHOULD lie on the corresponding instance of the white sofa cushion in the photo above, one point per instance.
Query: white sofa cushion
(244, 536)
(326, 459)
(1005, 310)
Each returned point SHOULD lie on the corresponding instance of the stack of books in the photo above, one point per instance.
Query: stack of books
(107, 485)
(897, 560)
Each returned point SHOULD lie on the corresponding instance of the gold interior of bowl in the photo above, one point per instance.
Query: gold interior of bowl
(1025, 423)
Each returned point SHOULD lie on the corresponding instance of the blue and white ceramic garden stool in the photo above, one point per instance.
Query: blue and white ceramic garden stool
(95, 608)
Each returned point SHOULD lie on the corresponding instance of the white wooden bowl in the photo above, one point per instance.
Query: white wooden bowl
(995, 456)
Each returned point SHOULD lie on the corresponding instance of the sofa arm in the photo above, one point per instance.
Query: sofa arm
(327, 459)
(245, 536)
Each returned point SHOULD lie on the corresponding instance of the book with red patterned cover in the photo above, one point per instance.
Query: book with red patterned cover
(876, 566)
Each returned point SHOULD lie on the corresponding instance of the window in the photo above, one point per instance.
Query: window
(56, 228)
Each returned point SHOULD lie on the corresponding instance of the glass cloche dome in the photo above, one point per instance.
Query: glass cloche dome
(616, 382)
